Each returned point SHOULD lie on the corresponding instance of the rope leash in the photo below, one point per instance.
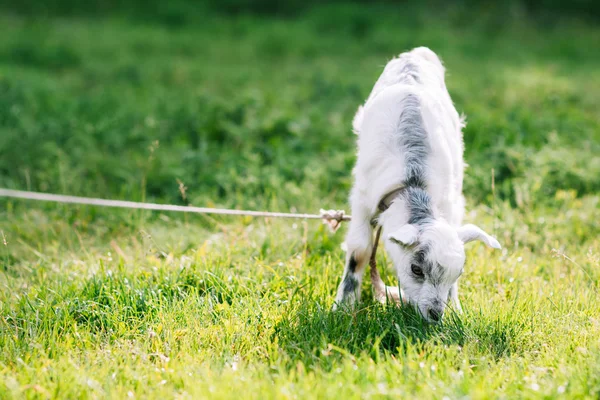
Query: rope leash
(373, 259)
(382, 292)
(333, 218)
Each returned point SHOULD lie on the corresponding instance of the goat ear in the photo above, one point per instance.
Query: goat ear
(468, 233)
(407, 235)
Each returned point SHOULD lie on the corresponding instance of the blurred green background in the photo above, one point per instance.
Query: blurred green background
(249, 103)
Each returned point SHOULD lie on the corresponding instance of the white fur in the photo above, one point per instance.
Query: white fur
(382, 167)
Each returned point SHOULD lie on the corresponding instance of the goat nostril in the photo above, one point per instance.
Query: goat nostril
(435, 315)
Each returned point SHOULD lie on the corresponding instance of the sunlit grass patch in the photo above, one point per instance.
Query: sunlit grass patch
(254, 112)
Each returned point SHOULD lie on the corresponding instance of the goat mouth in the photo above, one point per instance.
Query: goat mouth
(430, 315)
(432, 319)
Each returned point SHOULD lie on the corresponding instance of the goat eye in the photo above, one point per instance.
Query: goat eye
(417, 271)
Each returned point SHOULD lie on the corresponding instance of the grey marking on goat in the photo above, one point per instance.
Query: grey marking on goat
(352, 264)
(436, 275)
(412, 139)
(350, 284)
(420, 255)
(433, 272)
(418, 202)
(411, 71)
(420, 259)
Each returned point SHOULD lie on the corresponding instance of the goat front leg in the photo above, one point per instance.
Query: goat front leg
(454, 298)
(359, 242)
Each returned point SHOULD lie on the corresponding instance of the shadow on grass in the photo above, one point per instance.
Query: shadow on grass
(308, 333)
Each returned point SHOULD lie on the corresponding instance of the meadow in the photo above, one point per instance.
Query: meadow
(254, 111)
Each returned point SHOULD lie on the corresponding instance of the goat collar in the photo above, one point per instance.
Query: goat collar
(385, 203)
(388, 198)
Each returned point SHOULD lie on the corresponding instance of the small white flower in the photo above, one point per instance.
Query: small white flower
(535, 386)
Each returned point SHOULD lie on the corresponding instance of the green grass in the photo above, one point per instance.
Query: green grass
(254, 112)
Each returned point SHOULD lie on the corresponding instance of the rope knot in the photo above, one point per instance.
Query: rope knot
(333, 218)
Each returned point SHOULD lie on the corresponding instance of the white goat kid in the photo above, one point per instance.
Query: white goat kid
(408, 179)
